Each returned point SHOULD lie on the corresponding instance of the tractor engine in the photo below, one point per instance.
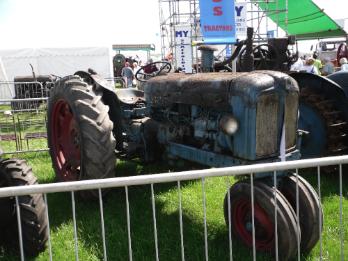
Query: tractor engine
(221, 119)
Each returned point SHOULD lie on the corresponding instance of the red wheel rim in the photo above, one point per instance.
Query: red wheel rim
(264, 228)
(65, 136)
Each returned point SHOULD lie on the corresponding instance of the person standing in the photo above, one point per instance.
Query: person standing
(328, 67)
(344, 64)
(317, 62)
(136, 68)
(309, 66)
(297, 66)
(150, 67)
(127, 74)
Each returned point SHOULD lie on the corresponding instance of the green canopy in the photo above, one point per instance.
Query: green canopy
(305, 19)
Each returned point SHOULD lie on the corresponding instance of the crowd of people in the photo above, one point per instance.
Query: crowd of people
(324, 67)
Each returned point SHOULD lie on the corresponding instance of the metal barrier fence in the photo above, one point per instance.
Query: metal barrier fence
(23, 116)
(179, 178)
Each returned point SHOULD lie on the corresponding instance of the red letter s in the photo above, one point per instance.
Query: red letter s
(217, 10)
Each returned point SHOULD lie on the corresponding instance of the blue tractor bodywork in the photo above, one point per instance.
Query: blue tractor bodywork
(189, 109)
(188, 117)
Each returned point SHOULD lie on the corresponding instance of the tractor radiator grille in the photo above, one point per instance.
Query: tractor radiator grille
(267, 113)
(291, 115)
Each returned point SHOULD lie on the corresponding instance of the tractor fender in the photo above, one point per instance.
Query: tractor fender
(341, 78)
(109, 98)
(95, 79)
(323, 86)
(318, 83)
(324, 110)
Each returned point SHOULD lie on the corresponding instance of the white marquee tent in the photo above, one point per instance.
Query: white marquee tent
(57, 61)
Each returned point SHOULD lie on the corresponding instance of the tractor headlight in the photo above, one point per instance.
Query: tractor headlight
(228, 124)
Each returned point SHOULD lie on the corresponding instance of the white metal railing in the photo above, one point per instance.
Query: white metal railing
(177, 177)
(171, 177)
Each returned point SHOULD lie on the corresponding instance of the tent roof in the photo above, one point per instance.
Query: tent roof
(305, 19)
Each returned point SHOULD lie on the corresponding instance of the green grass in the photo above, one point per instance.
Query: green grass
(167, 215)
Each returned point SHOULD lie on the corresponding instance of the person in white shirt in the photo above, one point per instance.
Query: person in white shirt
(309, 66)
(297, 66)
(344, 64)
(136, 68)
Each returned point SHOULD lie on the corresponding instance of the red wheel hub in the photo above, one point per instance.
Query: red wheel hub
(264, 228)
(65, 136)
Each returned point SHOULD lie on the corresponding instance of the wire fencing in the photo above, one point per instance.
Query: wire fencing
(23, 109)
(247, 217)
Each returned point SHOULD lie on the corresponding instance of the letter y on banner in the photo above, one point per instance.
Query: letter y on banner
(218, 21)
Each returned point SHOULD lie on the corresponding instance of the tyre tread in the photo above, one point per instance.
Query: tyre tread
(32, 209)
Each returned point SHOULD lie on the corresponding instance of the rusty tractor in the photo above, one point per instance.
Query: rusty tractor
(214, 119)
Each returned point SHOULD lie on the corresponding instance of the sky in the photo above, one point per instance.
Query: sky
(75, 23)
(79, 23)
(337, 9)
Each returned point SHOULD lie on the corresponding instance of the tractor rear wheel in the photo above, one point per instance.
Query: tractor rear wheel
(264, 215)
(310, 210)
(15, 172)
(80, 133)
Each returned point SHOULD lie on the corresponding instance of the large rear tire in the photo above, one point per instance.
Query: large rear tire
(80, 133)
(15, 172)
(264, 214)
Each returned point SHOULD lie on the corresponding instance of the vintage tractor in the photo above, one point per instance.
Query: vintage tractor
(16, 172)
(35, 86)
(214, 119)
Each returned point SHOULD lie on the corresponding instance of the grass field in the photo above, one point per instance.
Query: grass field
(167, 214)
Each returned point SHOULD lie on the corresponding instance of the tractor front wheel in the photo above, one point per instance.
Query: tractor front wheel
(240, 216)
(310, 210)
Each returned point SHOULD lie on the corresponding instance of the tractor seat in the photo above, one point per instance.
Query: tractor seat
(130, 95)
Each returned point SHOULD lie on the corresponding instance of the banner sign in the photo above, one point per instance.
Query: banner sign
(218, 21)
(241, 19)
(183, 48)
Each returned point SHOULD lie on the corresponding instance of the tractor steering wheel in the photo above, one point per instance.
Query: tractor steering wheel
(265, 58)
(151, 70)
(342, 52)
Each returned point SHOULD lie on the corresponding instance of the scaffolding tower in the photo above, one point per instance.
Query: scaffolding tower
(174, 13)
